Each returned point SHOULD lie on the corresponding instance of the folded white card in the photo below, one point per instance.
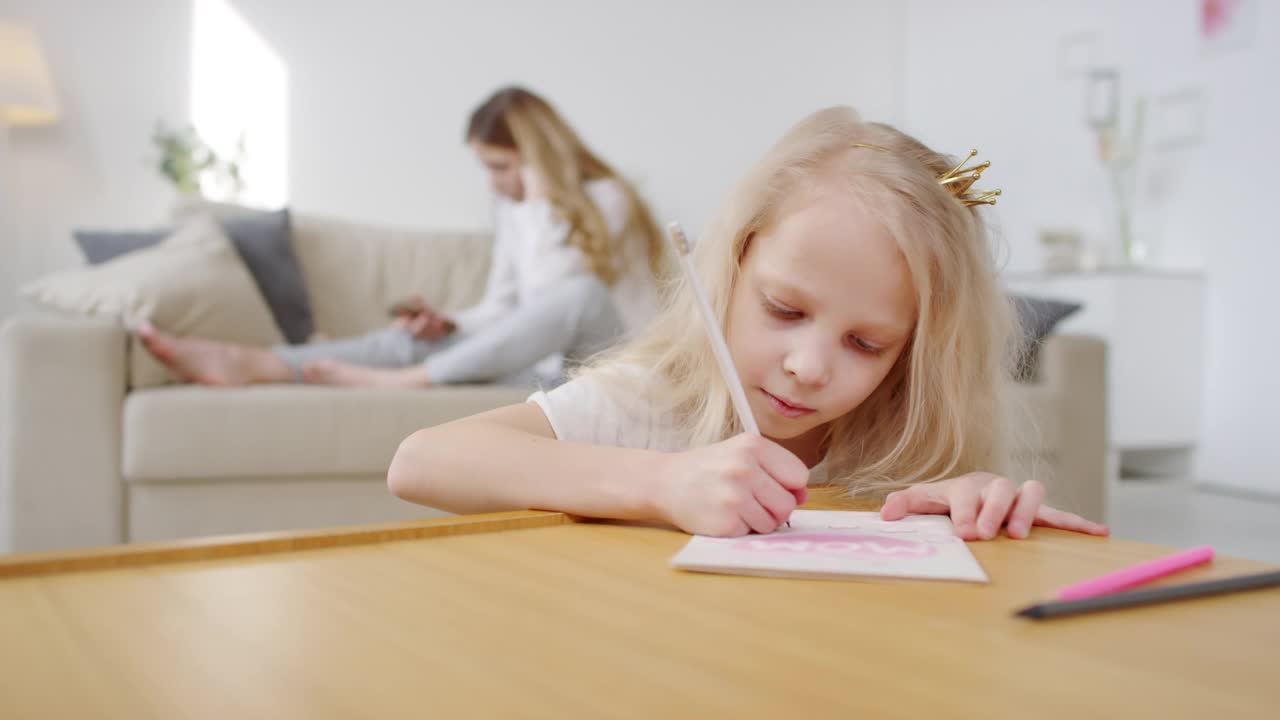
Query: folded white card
(830, 544)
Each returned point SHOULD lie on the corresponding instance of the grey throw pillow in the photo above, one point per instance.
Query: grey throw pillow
(1037, 317)
(263, 242)
(100, 246)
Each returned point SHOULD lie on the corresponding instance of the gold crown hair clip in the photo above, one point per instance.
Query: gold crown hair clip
(960, 178)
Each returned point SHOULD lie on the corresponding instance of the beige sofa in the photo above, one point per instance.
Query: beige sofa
(86, 460)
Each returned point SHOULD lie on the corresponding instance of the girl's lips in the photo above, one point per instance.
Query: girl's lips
(785, 408)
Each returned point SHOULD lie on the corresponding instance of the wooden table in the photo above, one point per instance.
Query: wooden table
(534, 615)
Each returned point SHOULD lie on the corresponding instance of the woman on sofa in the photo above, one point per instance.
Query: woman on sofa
(575, 258)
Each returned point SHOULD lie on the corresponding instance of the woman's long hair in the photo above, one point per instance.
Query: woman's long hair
(517, 119)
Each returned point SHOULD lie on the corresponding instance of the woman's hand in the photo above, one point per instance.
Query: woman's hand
(424, 323)
(979, 503)
(743, 484)
(429, 325)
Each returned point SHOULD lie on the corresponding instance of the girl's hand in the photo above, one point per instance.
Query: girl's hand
(979, 503)
(743, 484)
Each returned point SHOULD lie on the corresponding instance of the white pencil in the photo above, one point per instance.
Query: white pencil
(718, 346)
(681, 245)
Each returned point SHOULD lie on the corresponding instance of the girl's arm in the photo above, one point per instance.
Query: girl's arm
(509, 459)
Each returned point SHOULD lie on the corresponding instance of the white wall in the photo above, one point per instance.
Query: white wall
(988, 76)
(679, 96)
(1232, 185)
(117, 67)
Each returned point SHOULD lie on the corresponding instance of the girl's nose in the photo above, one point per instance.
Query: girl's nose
(808, 365)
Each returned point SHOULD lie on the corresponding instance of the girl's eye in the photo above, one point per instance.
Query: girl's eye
(861, 345)
(780, 312)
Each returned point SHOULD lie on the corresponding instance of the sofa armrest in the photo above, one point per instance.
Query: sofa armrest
(1073, 371)
(62, 388)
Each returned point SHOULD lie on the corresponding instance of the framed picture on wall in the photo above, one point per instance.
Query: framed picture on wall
(1226, 25)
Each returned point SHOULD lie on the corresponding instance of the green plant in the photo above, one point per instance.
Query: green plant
(185, 158)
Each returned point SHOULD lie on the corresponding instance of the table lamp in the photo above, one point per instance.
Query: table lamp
(26, 92)
(26, 98)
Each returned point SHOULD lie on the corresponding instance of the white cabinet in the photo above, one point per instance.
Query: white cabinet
(1153, 322)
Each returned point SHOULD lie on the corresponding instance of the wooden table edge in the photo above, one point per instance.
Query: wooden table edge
(229, 546)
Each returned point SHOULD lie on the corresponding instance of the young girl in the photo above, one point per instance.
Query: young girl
(575, 256)
(862, 311)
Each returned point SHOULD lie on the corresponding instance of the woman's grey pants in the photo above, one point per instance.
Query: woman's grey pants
(576, 318)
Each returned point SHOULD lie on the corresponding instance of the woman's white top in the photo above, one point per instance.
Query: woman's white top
(530, 254)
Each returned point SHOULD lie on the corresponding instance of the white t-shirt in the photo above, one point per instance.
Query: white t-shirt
(530, 254)
(584, 411)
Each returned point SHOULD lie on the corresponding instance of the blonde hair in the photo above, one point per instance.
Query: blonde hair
(940, 411)
(517, 119)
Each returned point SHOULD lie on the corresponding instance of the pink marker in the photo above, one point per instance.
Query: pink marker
(1137, 574)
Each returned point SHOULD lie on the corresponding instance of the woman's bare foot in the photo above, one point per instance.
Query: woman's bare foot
(333, 372)
(213, 363)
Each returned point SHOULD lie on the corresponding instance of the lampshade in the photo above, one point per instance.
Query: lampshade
(26, 92)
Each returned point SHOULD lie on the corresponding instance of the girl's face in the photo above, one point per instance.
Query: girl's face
(821, 311)
(502, 166)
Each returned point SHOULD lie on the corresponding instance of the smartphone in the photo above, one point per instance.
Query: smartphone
(405, 307)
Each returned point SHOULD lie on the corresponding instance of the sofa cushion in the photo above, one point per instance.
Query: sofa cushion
(192, 283)
(355, 272)
(261, 237)
(264, 239)
(169, 511)
(198, 433)
(99, 246)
